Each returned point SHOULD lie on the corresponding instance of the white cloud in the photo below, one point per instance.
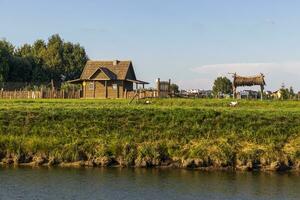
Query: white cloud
(275, 73)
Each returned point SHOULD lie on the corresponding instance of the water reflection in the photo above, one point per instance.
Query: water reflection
(117, 183)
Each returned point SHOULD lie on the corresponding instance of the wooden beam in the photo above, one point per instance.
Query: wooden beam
(169, 86)
(234, 91)
(94, 88)
(158, 87)
(84, 89)
(261, 92)
(105, 83)
(122, 89)
(118, 95)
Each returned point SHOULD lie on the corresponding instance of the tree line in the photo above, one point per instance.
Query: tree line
(41, 61)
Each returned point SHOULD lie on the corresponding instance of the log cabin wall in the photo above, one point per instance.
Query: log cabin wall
(128, 86)
(97, 89)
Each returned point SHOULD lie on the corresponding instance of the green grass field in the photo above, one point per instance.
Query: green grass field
(204, 130)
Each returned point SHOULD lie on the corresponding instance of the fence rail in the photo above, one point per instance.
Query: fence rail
(141, 94)
(46, 94)
(70, 94)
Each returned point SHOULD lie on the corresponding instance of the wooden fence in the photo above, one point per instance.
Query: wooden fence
(64, 94)
(43, 94)
(141, 94)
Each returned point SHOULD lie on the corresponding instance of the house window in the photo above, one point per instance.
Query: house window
(115, 86)
(91, 86)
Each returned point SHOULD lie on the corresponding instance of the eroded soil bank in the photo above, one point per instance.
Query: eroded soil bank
(43, 160)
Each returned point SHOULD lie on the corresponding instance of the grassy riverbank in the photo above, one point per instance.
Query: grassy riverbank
(168, 132)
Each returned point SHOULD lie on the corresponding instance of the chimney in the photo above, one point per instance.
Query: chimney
(115, 62)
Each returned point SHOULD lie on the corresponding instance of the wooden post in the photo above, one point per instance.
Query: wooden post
(169, 86)
(41, 96)
(105, 83)
(52, 84)
(52, 89)
(118, 95)
(261, 92)
(158, 87)
(84, 89)
(233, 86)
(234, 91)
(94, 89)
(73, 91)
(123, 89)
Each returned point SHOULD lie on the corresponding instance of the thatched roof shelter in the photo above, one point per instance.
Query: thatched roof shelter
(249, 80)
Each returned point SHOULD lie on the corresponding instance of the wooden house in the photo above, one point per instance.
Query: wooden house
(108, 79)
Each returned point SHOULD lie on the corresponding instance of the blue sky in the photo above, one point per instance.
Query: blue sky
(189, 41)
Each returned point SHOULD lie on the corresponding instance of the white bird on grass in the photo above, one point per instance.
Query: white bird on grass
(233, 103)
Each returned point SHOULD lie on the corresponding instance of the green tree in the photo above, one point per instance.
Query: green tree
(74, 60)
(31, 56)
(24, 51)
(174, 88)
(54, 58)
(284, 92)
(41, 62)
(291, 93)
(6, 56)
(20, 70)
(40, 70)
(64, 60)
(222, 85)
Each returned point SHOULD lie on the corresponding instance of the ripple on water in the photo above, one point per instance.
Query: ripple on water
(116, 183)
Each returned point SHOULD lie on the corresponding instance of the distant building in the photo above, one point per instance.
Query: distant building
(196, 93)
(248, 94)
(206, 93)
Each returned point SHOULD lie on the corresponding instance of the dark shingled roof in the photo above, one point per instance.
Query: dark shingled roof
(110, 75)
(116, 72)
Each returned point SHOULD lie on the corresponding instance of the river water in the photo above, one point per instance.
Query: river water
(154, 184)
